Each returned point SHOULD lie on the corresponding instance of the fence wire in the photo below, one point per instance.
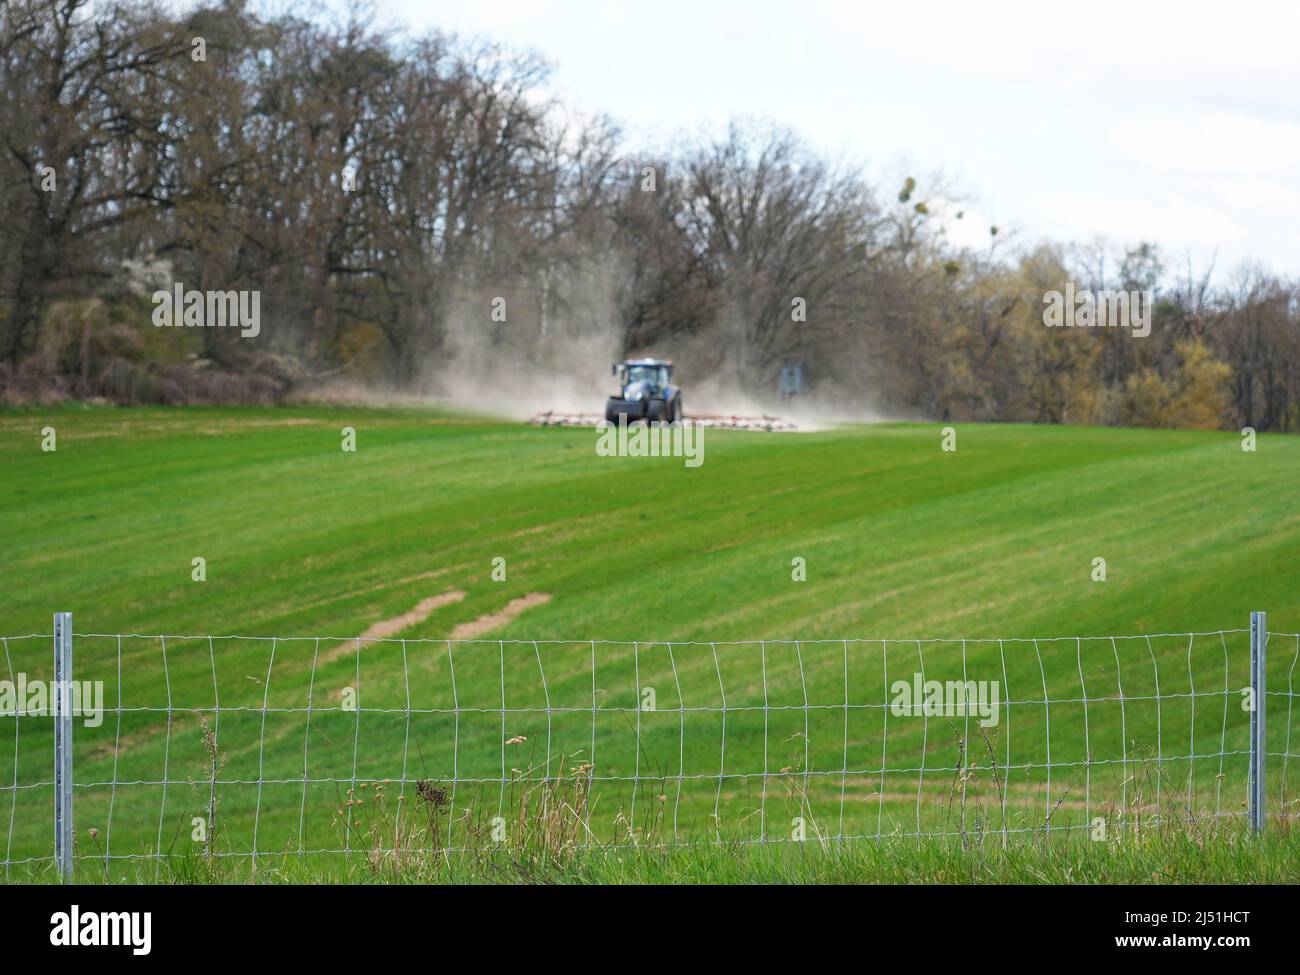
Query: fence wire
(265, 747)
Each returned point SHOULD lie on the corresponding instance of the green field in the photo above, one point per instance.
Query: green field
(902, 543)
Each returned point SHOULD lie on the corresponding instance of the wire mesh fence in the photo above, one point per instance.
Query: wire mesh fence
(266, 747)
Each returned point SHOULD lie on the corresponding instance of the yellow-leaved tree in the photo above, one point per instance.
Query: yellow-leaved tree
(1202, 402)
(1194, 398)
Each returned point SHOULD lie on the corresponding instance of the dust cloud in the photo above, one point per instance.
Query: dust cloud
(560, 361)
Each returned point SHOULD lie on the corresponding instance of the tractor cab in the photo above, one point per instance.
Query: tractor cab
(645, 392)
(650, 375)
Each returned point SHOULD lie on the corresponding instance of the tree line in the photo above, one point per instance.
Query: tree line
(415, 207)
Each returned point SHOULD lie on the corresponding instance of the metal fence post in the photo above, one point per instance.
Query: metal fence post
(1259, 689)
(61, 700)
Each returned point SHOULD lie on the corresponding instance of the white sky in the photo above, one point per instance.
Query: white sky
(1172, 122)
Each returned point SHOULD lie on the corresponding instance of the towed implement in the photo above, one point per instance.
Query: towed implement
(648, 394)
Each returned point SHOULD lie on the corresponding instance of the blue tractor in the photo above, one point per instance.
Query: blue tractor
(646, 392)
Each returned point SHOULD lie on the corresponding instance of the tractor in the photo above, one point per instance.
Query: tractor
(645, 392)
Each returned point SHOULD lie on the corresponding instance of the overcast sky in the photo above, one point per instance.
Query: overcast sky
(1178, 123)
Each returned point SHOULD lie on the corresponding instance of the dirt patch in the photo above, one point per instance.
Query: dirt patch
(386, 628)
(476, 628)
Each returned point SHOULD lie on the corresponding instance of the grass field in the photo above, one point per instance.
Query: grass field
(901, 540)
